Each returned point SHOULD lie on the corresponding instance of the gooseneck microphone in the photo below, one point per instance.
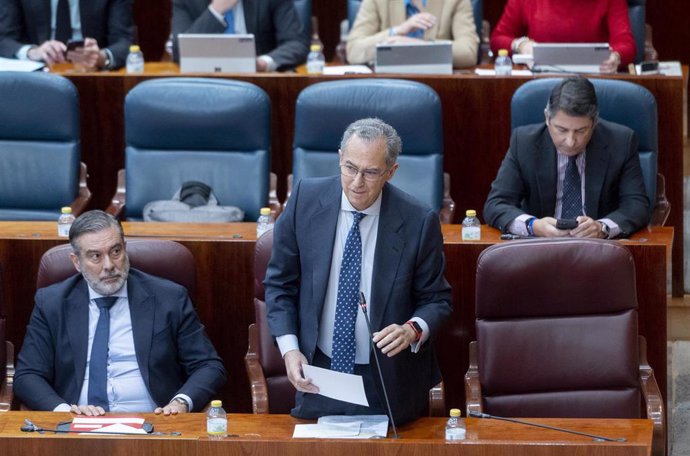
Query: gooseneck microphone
(597, 438)
(363, 306)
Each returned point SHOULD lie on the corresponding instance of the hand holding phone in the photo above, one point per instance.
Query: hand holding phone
(566, 224)
(72, 45)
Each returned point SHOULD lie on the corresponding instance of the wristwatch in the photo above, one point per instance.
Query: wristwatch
(605, 230)
(416, 328)
(183, 401)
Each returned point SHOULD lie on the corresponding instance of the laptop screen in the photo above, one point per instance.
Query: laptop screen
(217, 53)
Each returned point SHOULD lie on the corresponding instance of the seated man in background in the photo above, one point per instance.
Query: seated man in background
(384, 21)
(40, 30)
(114, 339)
(280, 41)
(575, 167)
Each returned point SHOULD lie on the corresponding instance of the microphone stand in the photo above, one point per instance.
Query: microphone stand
(597, 438)
(363, 306)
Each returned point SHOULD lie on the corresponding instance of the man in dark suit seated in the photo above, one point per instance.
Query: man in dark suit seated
(576, 166)
(353, 233)
(114, 339)
(40, 29)
(279, 38)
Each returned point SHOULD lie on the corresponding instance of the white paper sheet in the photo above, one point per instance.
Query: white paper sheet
(371, 425)
(486, 72)
(19, 65)
(119, 428)
(337, 385)
(347, 69)
(326, 431)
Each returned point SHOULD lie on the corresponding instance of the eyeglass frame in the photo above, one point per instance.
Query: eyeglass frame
(368, 175)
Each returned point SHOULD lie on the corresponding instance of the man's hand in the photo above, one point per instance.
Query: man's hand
(88, 410)
(50, 52)
(419, 21)
(546, 227)
(173, 408)
(293, 365)
(611, 64)
(261, 65)
(223, 6)
(394, 338)
(87, 58)
(587, 227)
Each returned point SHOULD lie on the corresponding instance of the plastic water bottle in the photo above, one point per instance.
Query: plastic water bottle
(315, 60)
(65, 221)
(471, 228)
(216, 421)
(265, 222)
(135, 60)
(455, 426)
(503, 65)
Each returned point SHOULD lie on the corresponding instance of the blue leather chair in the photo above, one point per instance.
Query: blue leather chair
(303, 8)
(636, 12)
(622, 102)
(40, 147)
(324, 111)
(183, 129)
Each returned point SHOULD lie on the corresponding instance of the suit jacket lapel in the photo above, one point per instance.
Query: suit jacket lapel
(42, 15)
(251, 15)
(77, 306)
(389, 249)
(547, 174)
(141, 309)
(323, 235)
(596, 163)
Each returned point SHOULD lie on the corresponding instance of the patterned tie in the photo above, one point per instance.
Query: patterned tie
(98, 365)
(411, 10)
(230, 19)
(571, 206)
(63, 24)
(343, 356)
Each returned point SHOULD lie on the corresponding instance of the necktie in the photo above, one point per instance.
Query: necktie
(230, 19)
(410, 11)
(63, 24)
(571, 206)
(98, 365)
(343, 356)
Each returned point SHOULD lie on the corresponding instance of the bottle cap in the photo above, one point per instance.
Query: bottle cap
(66, 210)
(265, 211)
(216, 403)
(471, 213)
(503, 53)
(134, 48)
(455, 413)
(315, 47)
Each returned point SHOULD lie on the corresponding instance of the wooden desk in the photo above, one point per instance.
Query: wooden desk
(271, 435)
(224, 256)
(476, 125)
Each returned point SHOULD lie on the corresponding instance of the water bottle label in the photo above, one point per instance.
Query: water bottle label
(63, 229)
(217, 426)
(455, 434)
(471, 233)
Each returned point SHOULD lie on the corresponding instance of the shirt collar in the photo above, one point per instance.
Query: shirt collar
(374, 209)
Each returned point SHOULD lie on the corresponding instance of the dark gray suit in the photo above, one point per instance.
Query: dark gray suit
(173, 352)
(407, 281)
(274, 23)
(526, 181)
(109, 22)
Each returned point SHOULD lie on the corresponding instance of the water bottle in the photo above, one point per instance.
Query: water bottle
(265, 222)
(503, 65)
(471, 228)
(455, 426)
(216, 421)
(135, 60)
(65, 221)
(315, 60)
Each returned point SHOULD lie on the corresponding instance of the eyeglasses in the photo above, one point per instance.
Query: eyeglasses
(369, 175)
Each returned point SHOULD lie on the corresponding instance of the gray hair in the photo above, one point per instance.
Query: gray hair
(92, 222)
(372, 129)
(575, 97)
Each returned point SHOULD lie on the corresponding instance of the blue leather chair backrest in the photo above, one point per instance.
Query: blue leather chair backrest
(209, 130)
(303, 8)
(324, 111)
(636, 12)
(622, 102)
(39, 145)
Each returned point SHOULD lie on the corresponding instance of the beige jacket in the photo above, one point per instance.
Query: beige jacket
(454, 21)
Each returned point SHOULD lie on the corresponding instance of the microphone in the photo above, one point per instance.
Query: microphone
(596, 438)
(363, 306)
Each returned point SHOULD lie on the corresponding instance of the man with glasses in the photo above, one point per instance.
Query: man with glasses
(352, 239)
(575, 167)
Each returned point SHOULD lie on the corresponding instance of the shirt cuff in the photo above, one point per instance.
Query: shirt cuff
(286, 343)
(64, 407)
(23, 52)
(186, 398)
(220, 17)
(614, 229)
(415, 346)
(518, 226)
(270, 63)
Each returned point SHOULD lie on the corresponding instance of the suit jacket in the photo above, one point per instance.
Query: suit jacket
(454, 21)
(109, 22)
(407, 281)
(526, 181)
(274, 23)
(173, 352)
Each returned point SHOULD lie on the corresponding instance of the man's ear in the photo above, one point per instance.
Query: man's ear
(75, 261)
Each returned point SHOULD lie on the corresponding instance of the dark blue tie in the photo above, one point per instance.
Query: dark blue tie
(343, 355)
(410, 11)
(571, 206)
(98, 365)
(63, 23)
(230, 20)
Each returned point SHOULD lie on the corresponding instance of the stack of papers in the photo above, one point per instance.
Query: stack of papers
(116, 424)
(19, 65)
(344, 427)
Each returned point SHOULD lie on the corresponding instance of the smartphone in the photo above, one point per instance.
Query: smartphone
(649, 67)
(72, 45)
(565, 224)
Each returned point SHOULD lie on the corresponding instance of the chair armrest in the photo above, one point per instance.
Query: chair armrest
(6, 392)
(257, 380)
(653, 401)
(473, 389)
(437, 400)
(447, 205)
(117, 204)
(84, 194)
(662, 208)
(273, 203)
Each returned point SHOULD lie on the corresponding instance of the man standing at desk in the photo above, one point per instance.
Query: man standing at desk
(114, 339)
(575, 167)
(279, 38)
(340, 236)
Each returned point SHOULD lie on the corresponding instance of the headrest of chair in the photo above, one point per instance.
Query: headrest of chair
(167, 259)
(198, 114)
(262, 255)
(324, 111)
(57, 115)
(543, 277)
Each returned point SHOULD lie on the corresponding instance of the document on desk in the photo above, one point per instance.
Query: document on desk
(337, 385)
(19, 65)
(344, 427)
